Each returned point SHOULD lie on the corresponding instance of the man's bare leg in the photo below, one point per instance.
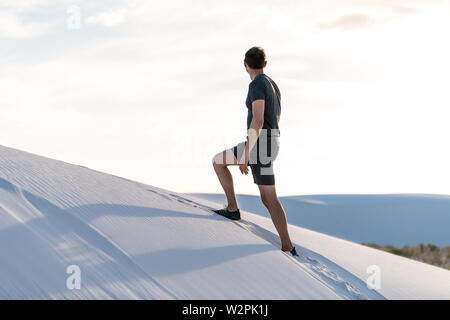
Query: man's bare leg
(220, 165)
(271, 202)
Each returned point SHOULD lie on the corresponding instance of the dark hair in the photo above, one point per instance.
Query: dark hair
(255, 57)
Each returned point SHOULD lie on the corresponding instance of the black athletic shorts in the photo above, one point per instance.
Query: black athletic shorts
(261, 159)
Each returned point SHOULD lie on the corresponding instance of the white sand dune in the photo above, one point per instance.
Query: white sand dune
(135, 241)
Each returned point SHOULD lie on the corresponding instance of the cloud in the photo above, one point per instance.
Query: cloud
(12, 27)
(23, 5)
(347, 22)
(405, 10)
(108, 18)
(361, 15)
(220, 11)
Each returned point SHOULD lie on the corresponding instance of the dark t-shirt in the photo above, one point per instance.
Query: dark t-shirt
(264, 88)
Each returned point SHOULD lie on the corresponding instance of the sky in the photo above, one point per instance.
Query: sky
(152, 90)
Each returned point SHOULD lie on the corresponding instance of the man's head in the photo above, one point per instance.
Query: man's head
(255, 59)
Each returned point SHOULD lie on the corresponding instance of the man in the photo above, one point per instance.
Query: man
(260, 148)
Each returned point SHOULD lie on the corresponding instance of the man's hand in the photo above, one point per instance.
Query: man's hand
(243, 168)
(243, 165)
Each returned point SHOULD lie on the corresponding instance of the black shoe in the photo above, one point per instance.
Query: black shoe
(293, 252)
(233, 215)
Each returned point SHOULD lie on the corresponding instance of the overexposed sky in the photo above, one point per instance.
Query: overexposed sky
(151, 90)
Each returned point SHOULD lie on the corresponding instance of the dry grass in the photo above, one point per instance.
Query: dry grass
(429, 253)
